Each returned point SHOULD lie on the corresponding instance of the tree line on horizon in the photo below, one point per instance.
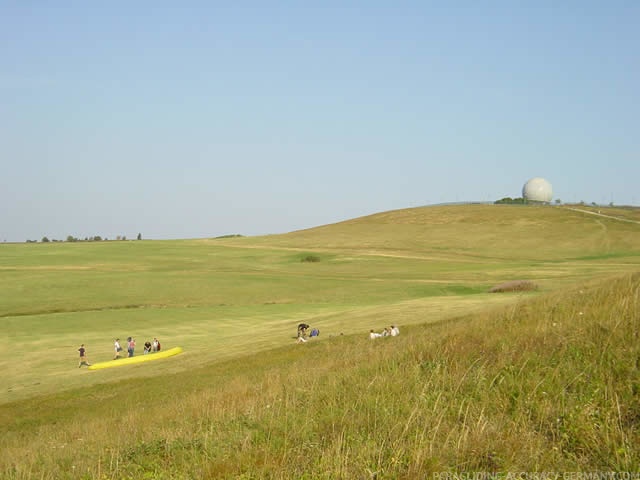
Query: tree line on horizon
(71, 239)
(557, 201)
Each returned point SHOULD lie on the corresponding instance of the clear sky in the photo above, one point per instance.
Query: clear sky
(201, 118)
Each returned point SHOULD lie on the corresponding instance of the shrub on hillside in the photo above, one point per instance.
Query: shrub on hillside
(232, 235)
(310, 258)
(514, 286)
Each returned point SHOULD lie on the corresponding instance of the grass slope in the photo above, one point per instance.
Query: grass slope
(445, 395)
(549, 384)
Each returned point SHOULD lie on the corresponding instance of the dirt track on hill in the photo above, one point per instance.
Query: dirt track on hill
(603, 215)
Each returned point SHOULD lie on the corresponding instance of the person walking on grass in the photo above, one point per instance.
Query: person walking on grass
(83, 357)
(117, 348)
(131, 346)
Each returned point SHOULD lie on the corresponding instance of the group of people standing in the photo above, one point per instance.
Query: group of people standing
(131, 347)
(391, 331)
(149, 347)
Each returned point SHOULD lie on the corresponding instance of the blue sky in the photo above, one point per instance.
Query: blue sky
(202, 118)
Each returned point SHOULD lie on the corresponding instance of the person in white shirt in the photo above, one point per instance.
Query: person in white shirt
(117, 348)
(373, 334)
(395, 331)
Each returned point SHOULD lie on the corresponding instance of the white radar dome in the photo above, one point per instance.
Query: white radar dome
(537, 190)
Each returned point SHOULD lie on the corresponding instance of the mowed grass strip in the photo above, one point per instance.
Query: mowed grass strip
(48, 359)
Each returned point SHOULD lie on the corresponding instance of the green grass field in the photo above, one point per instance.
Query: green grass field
(233, 305)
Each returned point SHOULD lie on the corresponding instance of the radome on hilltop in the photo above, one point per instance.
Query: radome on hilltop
(537, 190)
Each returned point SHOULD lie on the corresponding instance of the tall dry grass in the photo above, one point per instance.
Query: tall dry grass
(550, 384)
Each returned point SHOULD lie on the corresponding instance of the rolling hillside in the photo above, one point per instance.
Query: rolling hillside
(472, 374)
(220, 298)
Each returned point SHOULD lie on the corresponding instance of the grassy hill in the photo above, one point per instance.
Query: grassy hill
(476, 381)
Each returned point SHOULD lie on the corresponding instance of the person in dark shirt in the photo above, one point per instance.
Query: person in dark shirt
(83, 357)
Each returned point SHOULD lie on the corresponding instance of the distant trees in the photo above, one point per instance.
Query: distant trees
(72, 239)
(509, 200)
(520, 201)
